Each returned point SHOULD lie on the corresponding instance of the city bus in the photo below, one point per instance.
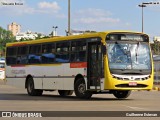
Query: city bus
(113, 62)
(2, 68)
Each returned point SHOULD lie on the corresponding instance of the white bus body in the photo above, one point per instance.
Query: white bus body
(47, 77)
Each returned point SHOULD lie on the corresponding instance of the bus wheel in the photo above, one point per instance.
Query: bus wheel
(30, 88)
(121, 94)
(80, 89)
(65, 92)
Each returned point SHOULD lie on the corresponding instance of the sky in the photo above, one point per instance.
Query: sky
(97, 15)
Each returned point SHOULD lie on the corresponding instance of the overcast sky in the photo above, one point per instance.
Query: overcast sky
(98, 15)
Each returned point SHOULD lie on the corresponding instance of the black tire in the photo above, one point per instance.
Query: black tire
(121, 94)
(65, 92)
(80, 89)
(30, 88)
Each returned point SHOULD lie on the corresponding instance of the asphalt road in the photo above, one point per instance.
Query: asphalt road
(16, 99)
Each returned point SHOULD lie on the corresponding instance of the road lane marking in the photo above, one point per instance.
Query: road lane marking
(136, 108)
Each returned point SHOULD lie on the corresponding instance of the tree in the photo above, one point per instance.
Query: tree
(155, 47)
(5, 37)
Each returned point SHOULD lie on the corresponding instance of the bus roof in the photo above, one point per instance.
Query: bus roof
(71, 37)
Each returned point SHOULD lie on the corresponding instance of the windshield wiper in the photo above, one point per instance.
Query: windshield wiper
(136, 51)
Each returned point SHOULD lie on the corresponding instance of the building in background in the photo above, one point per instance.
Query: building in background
(14, 28)
(79, 32)
(156, 38)
(26, 36)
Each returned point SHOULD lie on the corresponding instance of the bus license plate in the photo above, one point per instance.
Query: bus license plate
(132, 83)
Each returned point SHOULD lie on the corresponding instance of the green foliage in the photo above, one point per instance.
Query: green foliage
(24, 39)
(39, 37)
(5, 37)
(155, 47)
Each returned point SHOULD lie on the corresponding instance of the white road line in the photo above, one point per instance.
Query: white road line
(136, 108)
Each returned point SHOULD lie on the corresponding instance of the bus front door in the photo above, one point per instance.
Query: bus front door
(94, 66)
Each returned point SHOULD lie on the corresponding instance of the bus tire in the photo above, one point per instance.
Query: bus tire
(121, 94)
(80, 89)
(30, 88)
(65, 92)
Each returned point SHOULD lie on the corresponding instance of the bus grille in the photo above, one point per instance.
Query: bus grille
(124, 78)
(127, 85)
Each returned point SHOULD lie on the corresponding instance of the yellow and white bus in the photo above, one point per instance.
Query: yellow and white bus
(113, 62)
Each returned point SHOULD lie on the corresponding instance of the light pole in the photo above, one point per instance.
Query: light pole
(54, 31)
(142, 6)
(69, 18)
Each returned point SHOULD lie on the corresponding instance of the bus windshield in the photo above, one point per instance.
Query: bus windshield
(129, 58)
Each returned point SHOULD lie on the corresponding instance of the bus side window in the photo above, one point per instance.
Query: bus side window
(62, 52)
(48, 53)
(11, 55)
(22, 55)
(34, 54)
(78, 51)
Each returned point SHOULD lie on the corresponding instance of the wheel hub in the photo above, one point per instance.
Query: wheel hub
(82, 88)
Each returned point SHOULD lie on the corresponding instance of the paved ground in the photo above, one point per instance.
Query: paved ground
(16, 99)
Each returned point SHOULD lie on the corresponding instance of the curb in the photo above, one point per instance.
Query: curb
(156, 88)
(153, 89)
(2, 82)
